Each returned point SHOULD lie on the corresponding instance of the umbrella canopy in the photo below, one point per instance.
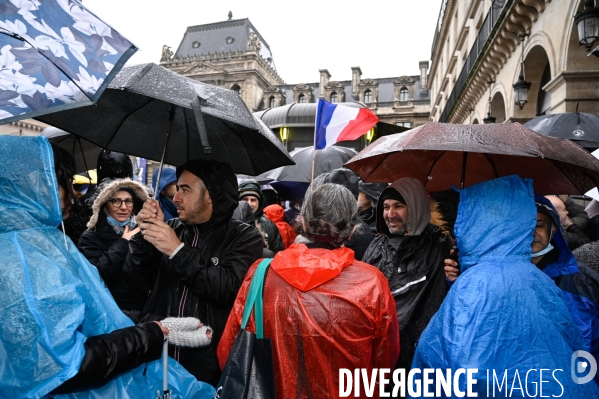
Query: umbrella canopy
(145, 102)
(84, 152)
(580, 127)
(441, 155)
(55, 55)
(291, 182)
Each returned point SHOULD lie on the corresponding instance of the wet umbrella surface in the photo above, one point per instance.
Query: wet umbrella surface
(440, 155)
(133, 116)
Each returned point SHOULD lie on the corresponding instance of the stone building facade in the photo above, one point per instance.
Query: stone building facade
(476, 57)
(232, 54)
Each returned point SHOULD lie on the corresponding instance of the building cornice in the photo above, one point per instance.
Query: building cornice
(518, 17)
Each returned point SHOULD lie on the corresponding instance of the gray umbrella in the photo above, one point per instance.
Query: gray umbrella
(84, 152)
(580, 127)
(147, 106)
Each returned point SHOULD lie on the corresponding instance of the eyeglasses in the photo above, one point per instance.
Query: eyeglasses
(117, 202)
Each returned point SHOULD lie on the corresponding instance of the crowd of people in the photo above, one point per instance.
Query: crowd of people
(364, 276)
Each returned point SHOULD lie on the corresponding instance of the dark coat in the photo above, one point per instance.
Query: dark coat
(203, 278)
(413, 265)
(360, 240)
(107, 250)
(109, 355)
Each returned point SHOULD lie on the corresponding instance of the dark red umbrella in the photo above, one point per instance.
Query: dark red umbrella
(440, 154)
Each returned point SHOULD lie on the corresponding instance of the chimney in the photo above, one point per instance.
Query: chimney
(356, 73)
(324, 79)
(423, 69)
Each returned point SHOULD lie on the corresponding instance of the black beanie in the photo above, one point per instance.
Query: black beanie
(391, 193)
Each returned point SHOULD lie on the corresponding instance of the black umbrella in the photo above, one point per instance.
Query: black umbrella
(292, 181)
(579, 127)
(84, 152)
(147, 106)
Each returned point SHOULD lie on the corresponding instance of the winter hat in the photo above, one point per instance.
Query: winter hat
(391, 193)
(250, 188)
(186, 331)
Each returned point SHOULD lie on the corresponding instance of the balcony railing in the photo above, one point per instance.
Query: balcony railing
(484, 34)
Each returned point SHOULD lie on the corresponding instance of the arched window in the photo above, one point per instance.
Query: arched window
(368, 96)
(272, 102)
(236, 89)
(301, 99)
(334, 99)
(403, 94)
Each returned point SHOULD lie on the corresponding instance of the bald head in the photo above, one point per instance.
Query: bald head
(559, 205)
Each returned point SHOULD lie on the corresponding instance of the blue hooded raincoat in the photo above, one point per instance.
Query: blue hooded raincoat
(503, 314)
(169, 175)
(52, 298)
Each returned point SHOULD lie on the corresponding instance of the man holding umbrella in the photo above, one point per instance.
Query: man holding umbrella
(194, 264)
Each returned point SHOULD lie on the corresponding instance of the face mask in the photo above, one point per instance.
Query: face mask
(113, 221)
(543, 251)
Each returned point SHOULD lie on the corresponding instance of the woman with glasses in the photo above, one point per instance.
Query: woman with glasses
(105, 243)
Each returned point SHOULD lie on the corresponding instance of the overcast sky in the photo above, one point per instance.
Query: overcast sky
(385, 38)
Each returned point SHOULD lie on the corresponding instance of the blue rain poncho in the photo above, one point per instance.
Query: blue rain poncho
(52, 297)
(503, 313)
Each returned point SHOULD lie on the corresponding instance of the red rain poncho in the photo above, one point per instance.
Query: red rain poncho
(323, 311)
(276, 214)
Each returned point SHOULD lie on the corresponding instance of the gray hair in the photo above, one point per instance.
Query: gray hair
(330, 213)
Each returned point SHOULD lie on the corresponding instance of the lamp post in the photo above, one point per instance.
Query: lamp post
(490, 118)
(521, 87)
(588, 24)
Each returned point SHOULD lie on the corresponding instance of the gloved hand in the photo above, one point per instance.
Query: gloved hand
(187, 331)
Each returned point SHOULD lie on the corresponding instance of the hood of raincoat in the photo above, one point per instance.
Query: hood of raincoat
(251, 187)
(114, 165)
(502, 313)
(106, 191)
(169, 176)
(275, 213)
(566, 262)
(483, 212)
(417, 201)
(53, 299)
(305, 268)
(221, 182)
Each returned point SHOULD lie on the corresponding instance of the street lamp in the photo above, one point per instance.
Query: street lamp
(284, 133)
(490, 118)
(521, 87)
(588, 24)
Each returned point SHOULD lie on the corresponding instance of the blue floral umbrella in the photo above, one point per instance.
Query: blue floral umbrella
(54, 55)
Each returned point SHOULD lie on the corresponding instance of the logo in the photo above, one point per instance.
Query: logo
(578, 366)
(214, 261)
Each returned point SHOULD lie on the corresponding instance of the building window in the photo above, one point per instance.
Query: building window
(195, 44)
(301, 99)
(404, 124)
(334, 99)
(368, 96)
(403, 94)
(236, 89)
(272, 102)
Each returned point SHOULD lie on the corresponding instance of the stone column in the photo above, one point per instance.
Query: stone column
(356, 73)
(324, 79)
(423, 69)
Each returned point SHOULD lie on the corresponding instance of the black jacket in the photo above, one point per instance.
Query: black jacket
(203, 278)
(413, 264)
(200, 281)
(360, 240)
(106, 250)
(109, 355)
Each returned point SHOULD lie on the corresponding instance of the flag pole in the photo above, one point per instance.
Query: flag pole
(314, 146)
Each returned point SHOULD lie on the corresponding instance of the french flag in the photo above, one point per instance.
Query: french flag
(338, 122)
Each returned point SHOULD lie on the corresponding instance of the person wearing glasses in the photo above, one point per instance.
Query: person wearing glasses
(105, 243)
